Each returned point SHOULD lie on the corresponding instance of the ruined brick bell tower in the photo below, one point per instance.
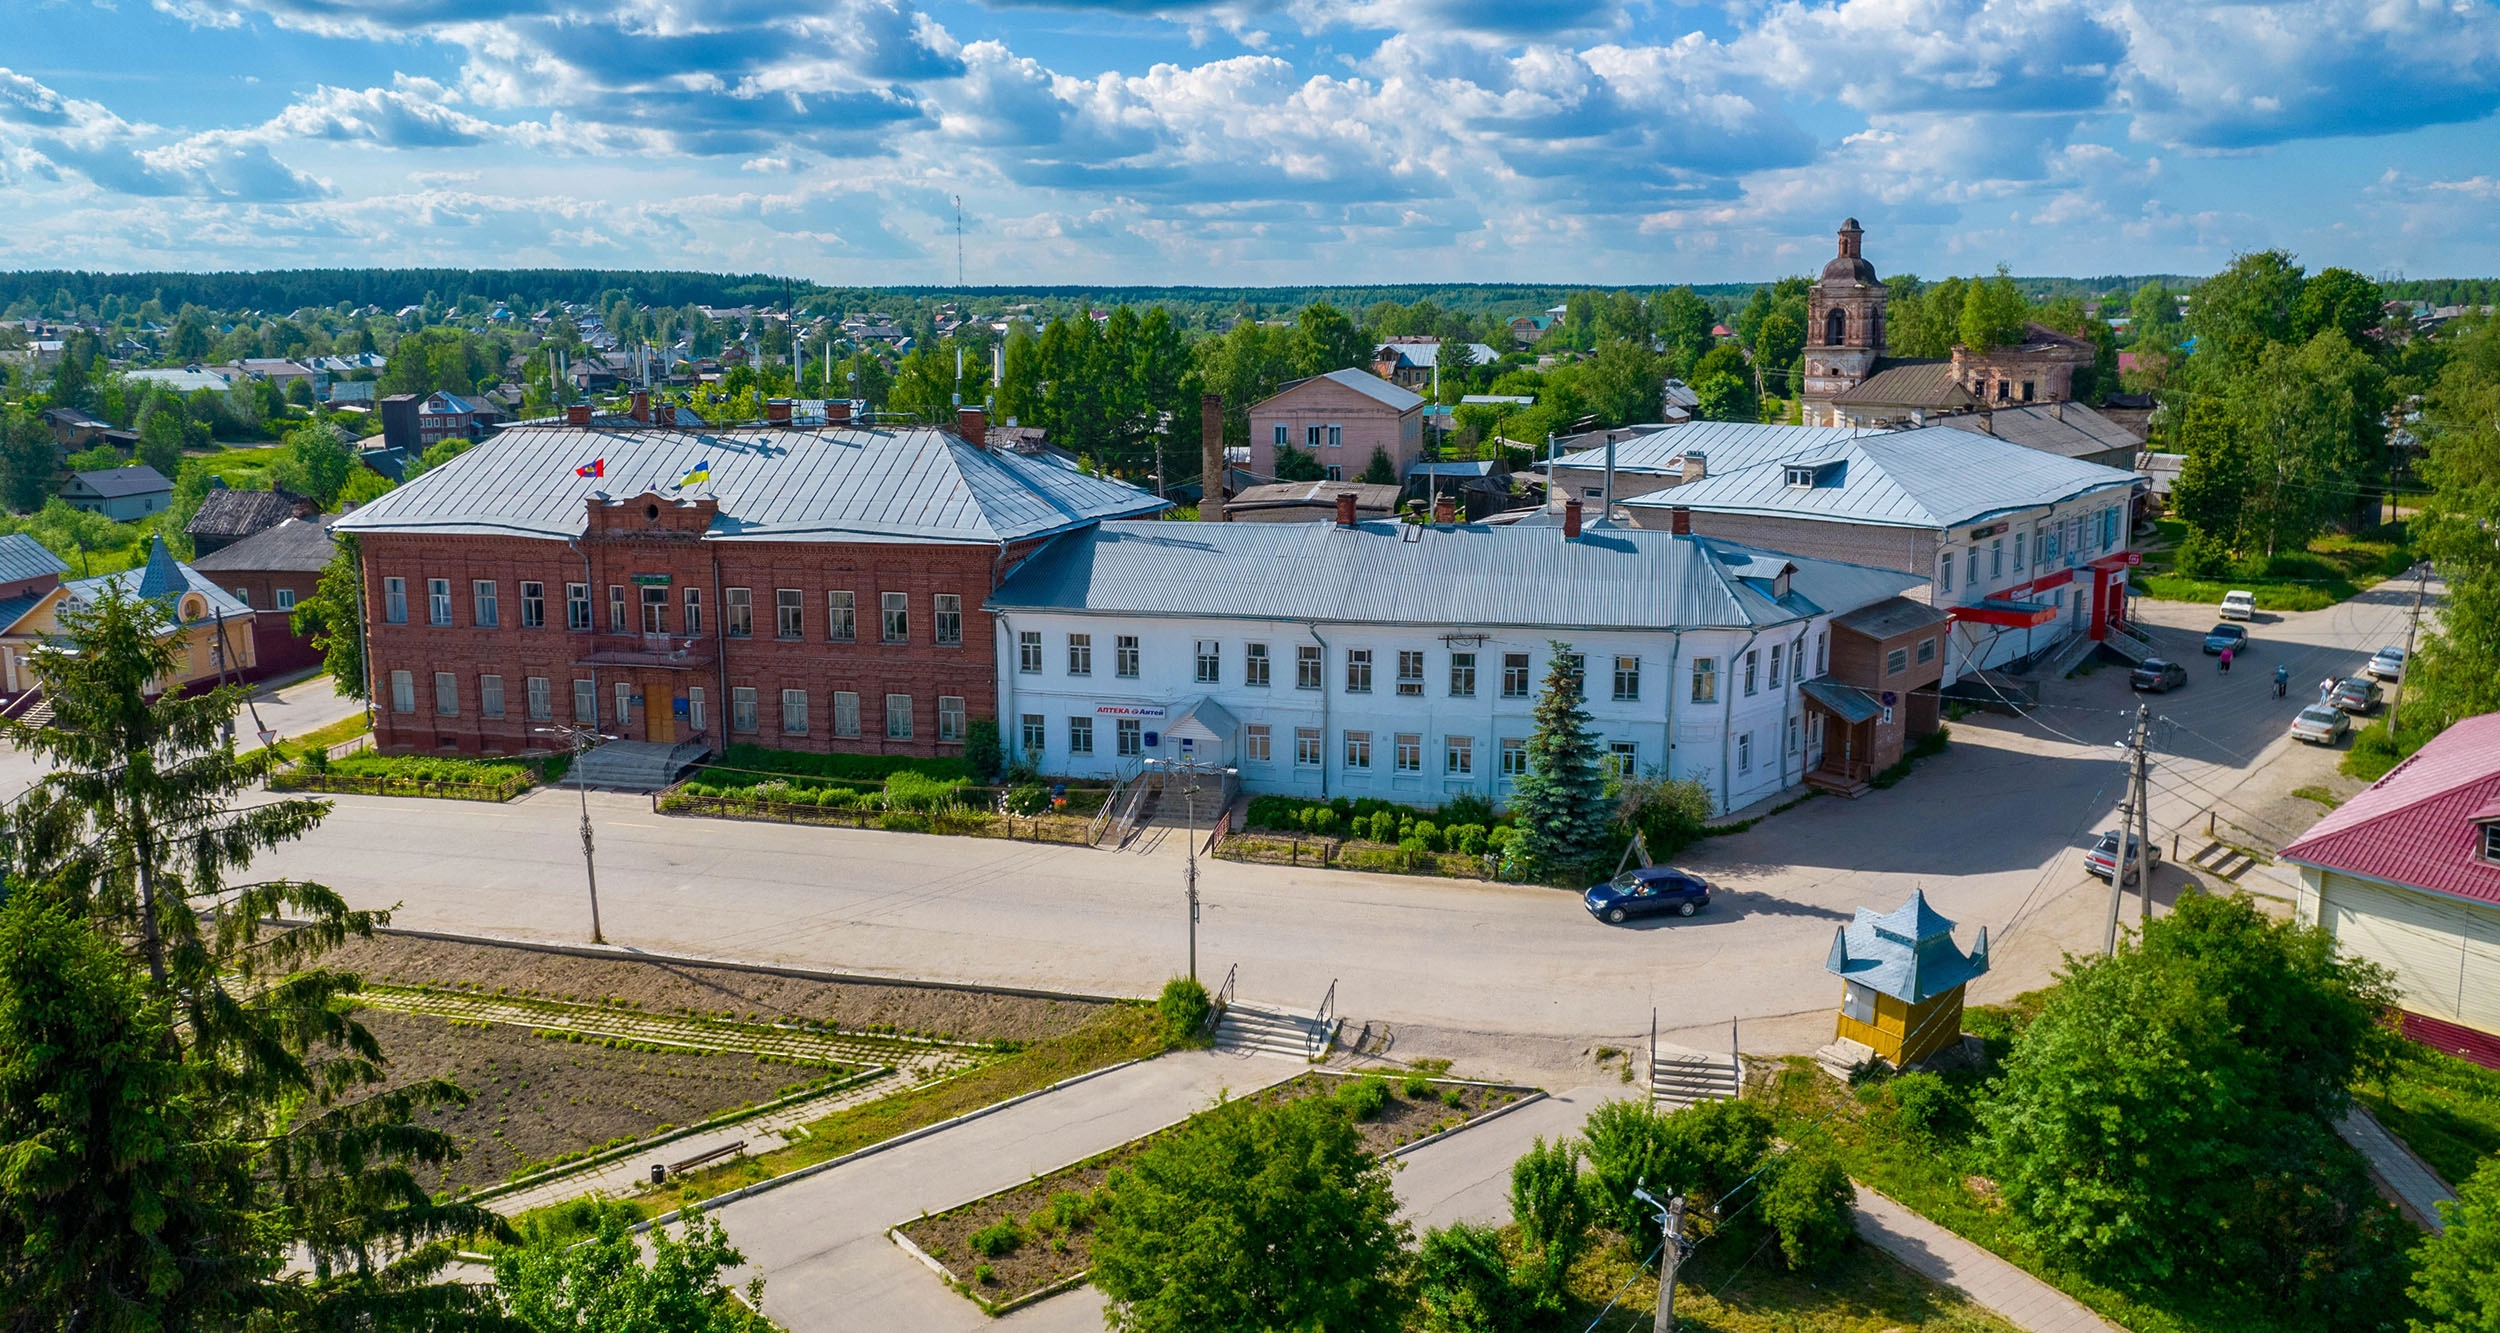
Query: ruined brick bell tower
(1844, 328)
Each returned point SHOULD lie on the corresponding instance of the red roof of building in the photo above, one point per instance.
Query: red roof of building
(2419, 826)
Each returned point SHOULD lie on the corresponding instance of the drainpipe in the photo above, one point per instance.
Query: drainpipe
(590, 582)
(720, 655)
(1003, 638)
(1666, 715)
(1788, 695)
(1313, 627)
(364, 640)
(1727, 726)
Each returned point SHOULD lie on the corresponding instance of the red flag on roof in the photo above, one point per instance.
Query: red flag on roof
(597, 467)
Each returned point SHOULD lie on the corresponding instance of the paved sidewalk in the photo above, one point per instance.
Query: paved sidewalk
(2417, 1188)
(1466, 1177)
(1940, 1256)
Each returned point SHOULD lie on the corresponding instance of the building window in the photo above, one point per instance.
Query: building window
(1896, 661)
(794, 712)
(1254, 665)
(898, 717)
(403, 692)
(490, 696)
(1306, 747)
(1080, 654)
(1857, 1001)
(2491, 841)
(1335, 473)
(1358, 749)
(1283, 435)
(1458, 755)
(1792, 735)
(438, 601)
(1210, 662)
(2018, 552)
(1627, 678)
(1514, 675)
(1744, 753)
(1029, 652)
(654, 609)
(1971, 576)
(897, 616)
(846, 714)
(1822, 651)
(243, 595)
(1034, 734)
(1944, 572)
(484, 613)
(1705, 680)
(946, 617)
(950, 717)
(446, 694)
(1311, 437)
(616, 608)
(1129, 734)
(742, 708)
(1462, 675)
(1996, 558)
(789, 613)
(533, 604)
(1358, 671)
(842, 616)
(1307, 665)
(624, 704)
(1926, 651)
(542, 699)
(577, 606)
(1256, 742)
(1623, 759)
(1775, 666)
(694, 612)
(2026, 391)
(1336, 437)
(1514, 756)
(395, 601)
(1080, 735)
(738, 607)
(1124, 656)
(1410, 752)
(586, 703)
(286, 599)
(694, 708)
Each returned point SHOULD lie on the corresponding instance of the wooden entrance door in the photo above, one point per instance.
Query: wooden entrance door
(659, 707)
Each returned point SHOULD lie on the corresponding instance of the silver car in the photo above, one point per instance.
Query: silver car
(2387, 664)
(2322, 724)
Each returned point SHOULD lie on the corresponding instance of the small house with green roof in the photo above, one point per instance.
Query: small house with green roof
(1901, 980)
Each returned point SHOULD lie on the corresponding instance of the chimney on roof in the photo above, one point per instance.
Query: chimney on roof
(1211, 468)
(1345, 509)
(837, 411)
(1445, 509)
(776, 411)
(973, 424)
(1571, 519)
(1696, 466)
(1988, 421)
(642, 405)
(1680, 520)
(577, 414)
(2057, 409)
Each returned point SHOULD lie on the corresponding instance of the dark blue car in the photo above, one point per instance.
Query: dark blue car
(1647, 891)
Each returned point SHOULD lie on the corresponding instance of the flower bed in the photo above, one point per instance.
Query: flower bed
(368, 774)
(1026, 1242)
(1265, 848)
(956, 821)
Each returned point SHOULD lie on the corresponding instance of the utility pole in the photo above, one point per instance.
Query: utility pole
(2421, 581)
(2143, 816)
(2133, 815)
(1193, 770)
(1670, 1255)
(580, 739)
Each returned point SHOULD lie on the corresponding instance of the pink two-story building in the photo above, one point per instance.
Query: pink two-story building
(1338, 418)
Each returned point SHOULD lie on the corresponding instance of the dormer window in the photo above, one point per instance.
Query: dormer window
(1801, 478)
(2491, 842)
(1807, 476)
(1779, 585)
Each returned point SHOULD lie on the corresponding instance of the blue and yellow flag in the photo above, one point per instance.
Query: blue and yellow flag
(699, 472)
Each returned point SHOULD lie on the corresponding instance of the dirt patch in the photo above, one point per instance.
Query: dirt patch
(716, 992)
(533, 1099)
(1019, 1241)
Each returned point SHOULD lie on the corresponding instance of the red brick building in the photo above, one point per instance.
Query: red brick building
(807, 588)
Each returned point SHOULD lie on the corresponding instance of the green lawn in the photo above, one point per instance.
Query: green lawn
(245, 469)
(1726, 1292)
(2446, 1109)
(2333, 568)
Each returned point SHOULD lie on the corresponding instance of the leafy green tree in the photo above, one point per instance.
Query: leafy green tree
(1254, 1217)
(2237, 313)
(1809, 1202)
(2315, 417)
(924, 385)
(101, 458)
(2457, 673)
(2457, 1278)
(1623, 381)
(1294, 465)
(72, 384)
(2338, 299)
(332, 618)
(26, 459)
(1464, 1282)
(1704, 1151)
(1561, 800)
(1776, 350)
(1993, 312)
(1184, 1007)
(363, 486)
(1324, 339)
(317, 462)
(1551, 1207)
(602, 1283)
(1379, 471)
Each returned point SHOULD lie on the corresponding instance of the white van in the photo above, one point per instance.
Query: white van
(2239, 606)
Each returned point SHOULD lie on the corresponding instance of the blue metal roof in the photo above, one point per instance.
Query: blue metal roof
(772, 484)
(1727, 445)
(1935, 477)
(162, 580)
(1907, 953)
(1456, 574)
(22, 557)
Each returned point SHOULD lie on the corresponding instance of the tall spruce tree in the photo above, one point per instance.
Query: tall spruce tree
(1561, 800)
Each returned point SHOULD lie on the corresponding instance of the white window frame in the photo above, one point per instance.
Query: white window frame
(1458, 756)
(1306, 747)
(1514, 756)
(789, 614)
(1210, 661)
(438, 601)
(1126, 657)
(1129, 737)
(846, 714)
(446, 694)
(1358, 750)
(894, 622)
(898, 717)
(1255, 666)
(586, 702)
(285, 598)
(794, 712)
(485, 608)
(490, 695)
(1258, 743)
(1029, 652)
(403, 692)
(951, 719)
(946, 618)
(841, 615)
(394, 600)
(542, 698)
(1080, 654)
(742, 712)
(1080, 735)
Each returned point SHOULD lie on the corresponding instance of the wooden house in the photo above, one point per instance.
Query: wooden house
(1902, 979)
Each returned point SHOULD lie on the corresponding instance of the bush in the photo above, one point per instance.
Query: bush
(1552, 1210)
(1669, 813)
(1467, 839)
(1809, 1202)
(1927, 1107)
(317, 759)
(1463, 1281)
(1184, 1006)
(998, 1238)
(983, 755)
(1032, 798)
(1070, 1209)
(1704, 1150)
(2203, 556)
(1417, 1087)
(857, 767)
(920, 792)
(1365, 1097)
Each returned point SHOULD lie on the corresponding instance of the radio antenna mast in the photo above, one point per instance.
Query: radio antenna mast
(959, 239)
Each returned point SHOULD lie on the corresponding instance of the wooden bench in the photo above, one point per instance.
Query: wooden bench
(707, 1158)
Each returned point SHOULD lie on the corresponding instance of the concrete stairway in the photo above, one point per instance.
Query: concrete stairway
(2130, 645)
(1678, 1077)
(635, 765)
(1844, 1057)
(1273, 1031)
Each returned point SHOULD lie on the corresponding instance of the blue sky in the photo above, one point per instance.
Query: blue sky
(1250, 141)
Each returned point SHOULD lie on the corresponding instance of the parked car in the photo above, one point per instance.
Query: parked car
(2102, 860)
(2233, 637)
(2387, 664)
(2239, 606)
(2157, 676)
(1648, 891)
(2355, 694)
(2321, 724)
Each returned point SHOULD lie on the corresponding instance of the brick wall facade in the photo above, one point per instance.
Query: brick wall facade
(278, 646)
(1360, 424)
(679, 685)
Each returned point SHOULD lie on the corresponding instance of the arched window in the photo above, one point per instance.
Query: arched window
(1835, 328)
(194, 607)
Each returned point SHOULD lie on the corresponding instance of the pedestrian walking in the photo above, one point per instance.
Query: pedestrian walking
(2282, 681)
(2326, 689)
(2226, 661)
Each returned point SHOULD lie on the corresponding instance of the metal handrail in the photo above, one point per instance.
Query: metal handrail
(1110, 806)
(1221, 1001)
(1323, 1034)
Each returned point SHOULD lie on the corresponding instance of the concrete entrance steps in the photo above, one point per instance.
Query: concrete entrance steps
(2062, 661)
(1678, 1077)
(2222, 861)
(1269, 1030)
(1844, 1057)
(636, 765)
(37, 714)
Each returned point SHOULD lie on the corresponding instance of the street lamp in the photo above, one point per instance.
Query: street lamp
(579, 739)
(1193, 770)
